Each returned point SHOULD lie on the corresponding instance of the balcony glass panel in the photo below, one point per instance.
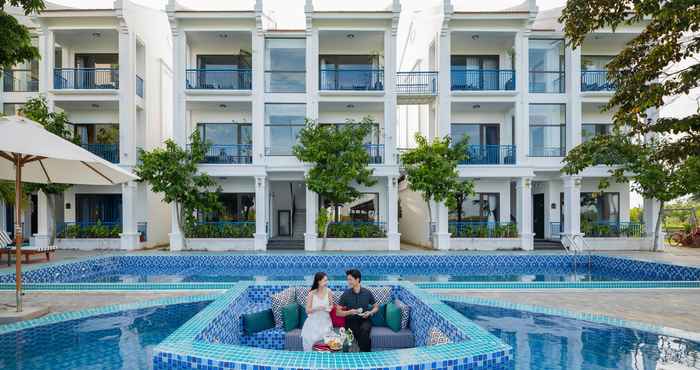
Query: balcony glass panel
(594, 73)
(589, 130)
(547, 130)
(100, 139)
(547, 66)
(228, 142)
(350, 72)
(226, 72)
(282, 125)
(21, 80)
(285, 65)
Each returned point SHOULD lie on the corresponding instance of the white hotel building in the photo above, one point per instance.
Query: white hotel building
(503, 76)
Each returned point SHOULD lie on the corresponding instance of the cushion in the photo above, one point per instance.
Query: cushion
(302, 316)
(279, 300)
(405, 313)
(385, 338)
(338, 321)
(378, 318)
(382, 294)
(257, 321)
(293, 341)
(436, 336)
(301, 293)
(393, 317)
(290, 317)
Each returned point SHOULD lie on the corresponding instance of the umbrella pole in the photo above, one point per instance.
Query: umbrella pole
(18, 231)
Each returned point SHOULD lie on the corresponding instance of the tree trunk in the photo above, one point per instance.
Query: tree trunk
(430, 226)
(178, 211)
(657, 227)
(51, 202)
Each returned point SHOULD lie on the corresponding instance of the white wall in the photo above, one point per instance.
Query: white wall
(413, 224)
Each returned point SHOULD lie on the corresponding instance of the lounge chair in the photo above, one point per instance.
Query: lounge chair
(6, 246)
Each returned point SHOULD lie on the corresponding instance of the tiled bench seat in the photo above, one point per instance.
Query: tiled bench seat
(383, 339)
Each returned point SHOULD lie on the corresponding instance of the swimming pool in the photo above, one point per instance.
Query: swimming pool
(542, 341)
(428, 270)
(117, 340)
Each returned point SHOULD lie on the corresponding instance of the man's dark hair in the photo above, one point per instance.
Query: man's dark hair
(354, 273)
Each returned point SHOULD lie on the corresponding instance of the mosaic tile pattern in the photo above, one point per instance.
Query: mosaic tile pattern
(190, 347)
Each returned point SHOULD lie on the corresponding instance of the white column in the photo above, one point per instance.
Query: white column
(177, 239)
(260, 213)
(524, 216)
(129, 235)
(572, 205)
(180, 134)
(46, 63)
(392, 217)
(311, 234)
(389, 97)
(651, 215)
(441, 238)
(522, 109)
(444, 85)
(573, 108)
(127, 93)
(44, 220)
(258, 113)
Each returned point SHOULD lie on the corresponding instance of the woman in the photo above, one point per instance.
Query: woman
(319, 303)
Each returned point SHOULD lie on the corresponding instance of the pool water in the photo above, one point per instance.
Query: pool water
(122, 340)
(545, 342)
(135, 274)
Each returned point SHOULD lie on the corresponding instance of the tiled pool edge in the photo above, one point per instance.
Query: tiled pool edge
(53, 318)
(584, 316)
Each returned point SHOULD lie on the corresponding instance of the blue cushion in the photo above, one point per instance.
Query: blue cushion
(257, 321)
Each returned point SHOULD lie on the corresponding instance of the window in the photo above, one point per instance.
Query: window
(372, 138)
(285, 65)
(97, 133)
(479, 134)
(480, 207)
(600, 207)
(595, 62)
(282, 125)
(589, 130)
(90, 208)
(547, 130)
(11, 109)
(236, 207)
(226, 133)
(363, 209)
(223, 72)
(475, 72)
(547, 66)
(350, 72)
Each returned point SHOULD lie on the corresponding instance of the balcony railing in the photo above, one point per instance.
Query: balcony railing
(221, 229)
(219, 79)
(490, 154)
(595, 81)
(139, 86)
(482, 229)
(351, 79)
(357, 229)
(229, 154)
(86, 78)
(20, 80)
(603, 229)
(416, 83)
(547, 151)
(547, 81)
(109, 152)
(483, 79)
(376, 153)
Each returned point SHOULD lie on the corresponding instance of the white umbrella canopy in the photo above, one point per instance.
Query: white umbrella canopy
(29, 153)
(63, 162)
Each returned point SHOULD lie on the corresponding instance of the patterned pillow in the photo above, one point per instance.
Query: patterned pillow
(279, 300)
(382, 294)
(302, 293)
(436, 337)
(405, 313)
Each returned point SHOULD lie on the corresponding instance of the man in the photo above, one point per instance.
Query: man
(359, 306)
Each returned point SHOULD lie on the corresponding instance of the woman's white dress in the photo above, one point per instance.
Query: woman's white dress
(318, 323)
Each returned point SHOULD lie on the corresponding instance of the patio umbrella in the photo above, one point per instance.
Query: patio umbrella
(30, 153)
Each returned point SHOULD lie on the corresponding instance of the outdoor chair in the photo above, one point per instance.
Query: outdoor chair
(7, 246)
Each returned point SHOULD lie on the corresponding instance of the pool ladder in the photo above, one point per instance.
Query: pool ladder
(575, 245)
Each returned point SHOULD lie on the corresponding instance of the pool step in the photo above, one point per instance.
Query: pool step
(282, 244)
(548, 245)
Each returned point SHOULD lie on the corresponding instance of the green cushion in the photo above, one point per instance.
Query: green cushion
(379, 317)
(393, 317)
(302, 316)
(290, 317)
(257, 321)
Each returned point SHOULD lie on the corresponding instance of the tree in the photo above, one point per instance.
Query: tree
(638, 161)
(339, 161)
(431, 169)
(659, 63)
(172, 171)
(15, 39)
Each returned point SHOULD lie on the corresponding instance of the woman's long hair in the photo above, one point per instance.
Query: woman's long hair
(317, 277)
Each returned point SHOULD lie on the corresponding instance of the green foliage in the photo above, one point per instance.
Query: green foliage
(322, 220)
(98, 231)
(108, 135)
(636, 214)
(56, 123)
(338, 158)
(483, 230)
(221, 230)
(15, 39)
(355, 230)
(172, 171)
(642, 71)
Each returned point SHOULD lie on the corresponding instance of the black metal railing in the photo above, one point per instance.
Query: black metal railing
(351, 79)
(417, 83)
(482, 79)
(86, 78)
(219, 79)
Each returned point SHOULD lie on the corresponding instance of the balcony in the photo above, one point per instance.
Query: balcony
(592, 81)
(109, 152)
(376, 153)
(351, 79)
(547, 81)
(547, 151)
(490, 154)
(219, 79)
(229, 154)
(20, 80)
(417, 83)
(139, 86)
(86, 78)
(482, 80)
(482, 229)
